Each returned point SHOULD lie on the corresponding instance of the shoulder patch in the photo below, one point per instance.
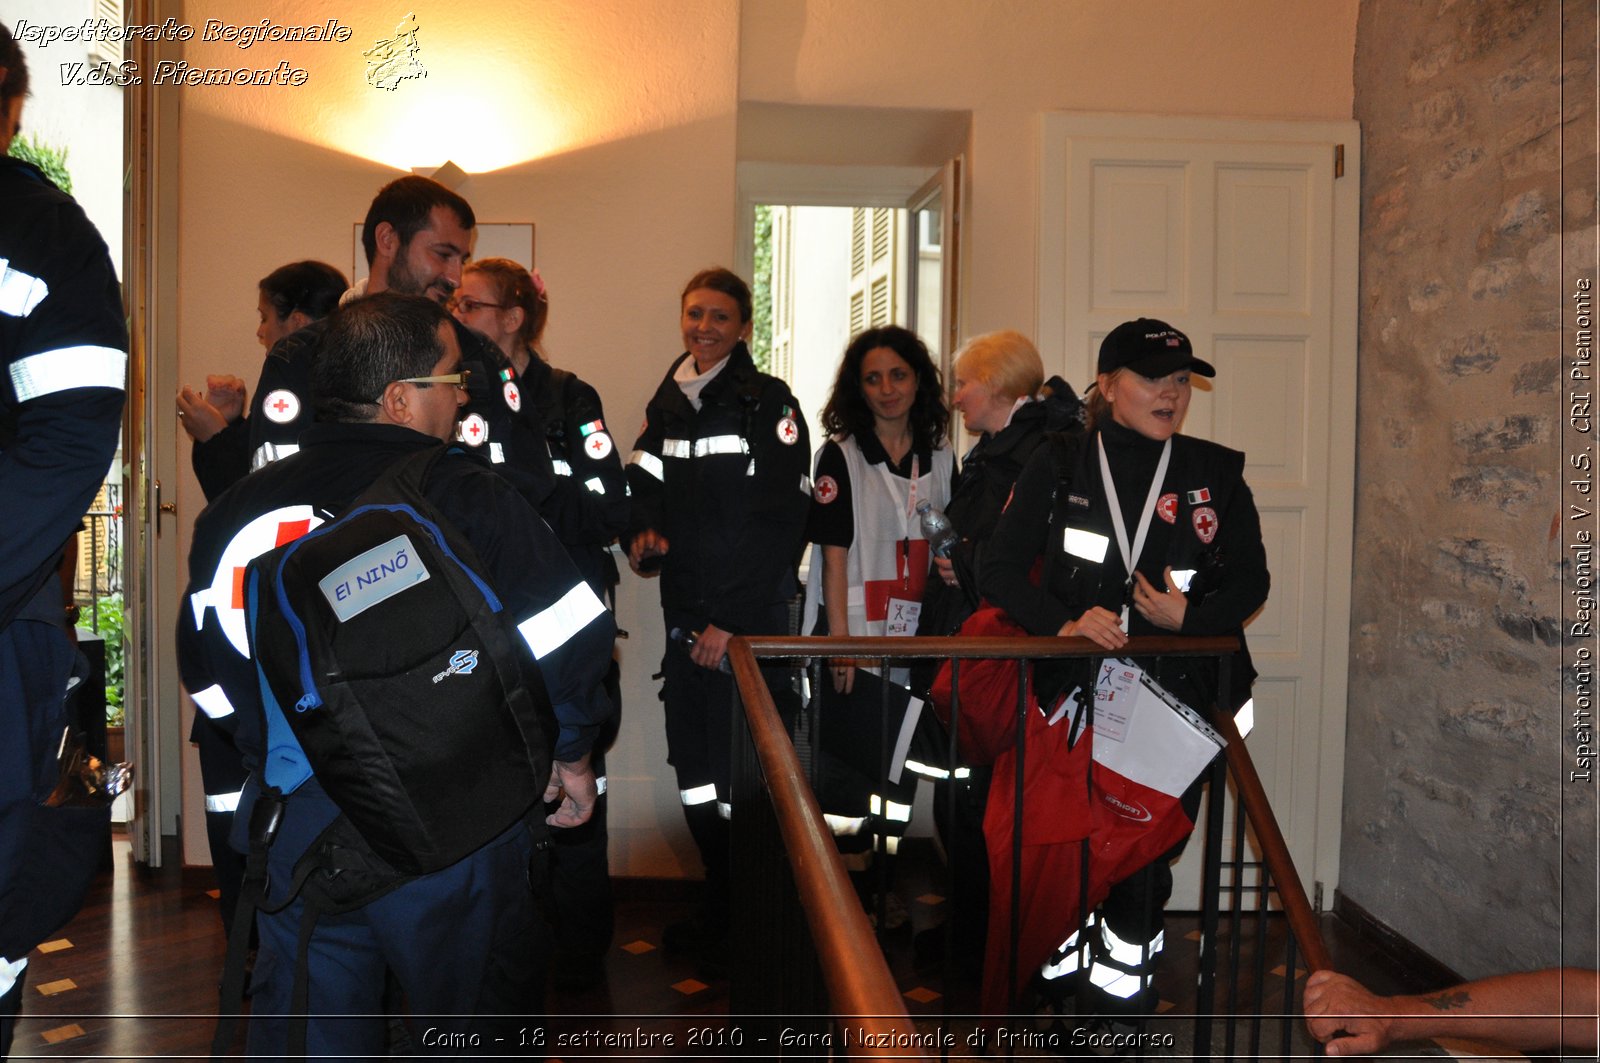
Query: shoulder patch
(598, 445)
(788, 431)
(473, 430)
(513, 395)
(826, 490)
(281, 406)
(1167, 507)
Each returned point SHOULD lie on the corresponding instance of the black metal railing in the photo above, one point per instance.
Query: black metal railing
(812, 954)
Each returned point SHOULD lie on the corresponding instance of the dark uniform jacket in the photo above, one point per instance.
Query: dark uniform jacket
(983, 485)
(728, 486)
(1205, 521)
(520, 557)
(63, 348)
(587, 506)
(64, 343)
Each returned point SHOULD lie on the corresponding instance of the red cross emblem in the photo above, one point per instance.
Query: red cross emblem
(513, 396)
(1205, 523)
(598, 445)
(788, 431)
(1167, 507)
(282, 406)
(827, 490)
(474, 430)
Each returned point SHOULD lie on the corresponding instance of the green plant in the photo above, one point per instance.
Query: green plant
(761, 292)
(52, 160)
(110, 625)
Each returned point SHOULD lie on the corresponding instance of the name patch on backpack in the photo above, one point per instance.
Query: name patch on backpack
(372, 577)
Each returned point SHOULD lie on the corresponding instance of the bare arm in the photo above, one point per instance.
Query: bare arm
(1531, 1010)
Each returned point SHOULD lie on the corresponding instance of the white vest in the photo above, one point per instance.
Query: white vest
(888, 556)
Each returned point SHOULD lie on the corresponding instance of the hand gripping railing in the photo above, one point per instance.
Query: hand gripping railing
(861, 1000)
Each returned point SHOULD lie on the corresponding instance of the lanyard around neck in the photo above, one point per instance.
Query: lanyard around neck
(1130, 555)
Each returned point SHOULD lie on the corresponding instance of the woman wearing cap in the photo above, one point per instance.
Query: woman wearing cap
(1143, 532)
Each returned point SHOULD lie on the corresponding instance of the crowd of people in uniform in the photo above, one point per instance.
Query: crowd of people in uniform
(1095, 520)
(718, 498)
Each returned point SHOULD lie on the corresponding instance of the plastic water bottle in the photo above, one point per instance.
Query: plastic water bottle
(937, 529)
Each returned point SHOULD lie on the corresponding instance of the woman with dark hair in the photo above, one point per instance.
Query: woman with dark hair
(287, 300)
(587, 509)
(887, 453)
(720, 495)
(1143, 531)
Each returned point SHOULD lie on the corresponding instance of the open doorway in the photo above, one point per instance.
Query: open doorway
(824, 271)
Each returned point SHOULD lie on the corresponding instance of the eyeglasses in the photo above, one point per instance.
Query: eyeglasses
(459, 379)
(467, 305)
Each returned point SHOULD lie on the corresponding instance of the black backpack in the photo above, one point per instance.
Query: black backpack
(396, 669)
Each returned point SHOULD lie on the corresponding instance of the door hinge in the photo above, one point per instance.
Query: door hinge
(1338, 161)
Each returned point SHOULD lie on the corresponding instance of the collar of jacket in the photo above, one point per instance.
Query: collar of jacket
(363, 433)
(740, 374)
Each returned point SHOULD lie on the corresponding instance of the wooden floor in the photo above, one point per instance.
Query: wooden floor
(135, 977)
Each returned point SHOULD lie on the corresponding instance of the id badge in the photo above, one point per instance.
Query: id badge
(902, 617)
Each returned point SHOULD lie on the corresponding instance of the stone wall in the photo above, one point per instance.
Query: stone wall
(1453, 793)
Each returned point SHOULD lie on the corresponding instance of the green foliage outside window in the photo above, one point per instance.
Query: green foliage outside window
(761, 292)
(50, 159)
(110, 625)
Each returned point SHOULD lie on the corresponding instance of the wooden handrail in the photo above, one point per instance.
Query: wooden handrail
(1274, 849)
(863, 992)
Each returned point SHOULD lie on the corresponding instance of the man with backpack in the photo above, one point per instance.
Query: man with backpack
(462, 940)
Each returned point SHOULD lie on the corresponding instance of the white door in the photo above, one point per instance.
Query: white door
(1240, 234)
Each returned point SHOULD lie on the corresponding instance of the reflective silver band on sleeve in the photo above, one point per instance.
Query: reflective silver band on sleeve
(805, 486)
(66, 368)
(497, 453)
(560, 467)
(267, 453)
(649, 463)
(19, 292)
(213, 701)
(223, 802)
(720, 445)
(600, 784)
(197, 606)
(595, 484)
(675, 448)
(698, 795)
(549, 629)
(724, 810)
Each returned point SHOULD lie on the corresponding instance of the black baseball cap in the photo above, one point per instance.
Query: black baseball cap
(1150, 348)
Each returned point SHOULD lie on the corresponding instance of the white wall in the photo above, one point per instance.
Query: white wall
(614, 123)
